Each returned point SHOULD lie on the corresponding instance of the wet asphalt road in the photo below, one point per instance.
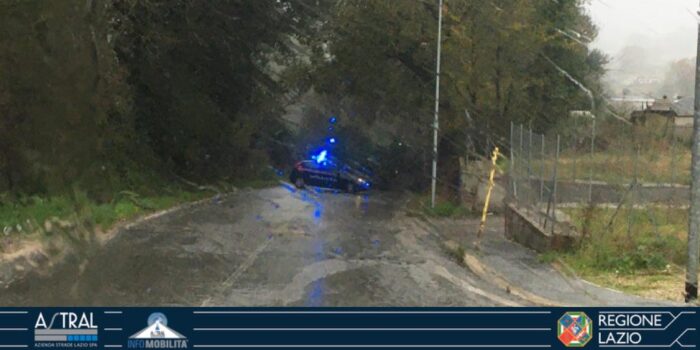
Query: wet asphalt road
(271, 247)
(284, 247)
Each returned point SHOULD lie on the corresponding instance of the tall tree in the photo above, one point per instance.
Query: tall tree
(497, 65)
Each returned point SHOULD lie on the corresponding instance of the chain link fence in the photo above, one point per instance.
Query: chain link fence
(533, 174)
(608, 180)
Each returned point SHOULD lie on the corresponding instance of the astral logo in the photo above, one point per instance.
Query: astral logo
(65, 330)
(157, 335)
(574, 329)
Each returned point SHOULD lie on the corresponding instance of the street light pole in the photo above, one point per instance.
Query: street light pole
(590, 171)
(691, 276)
(437, 107)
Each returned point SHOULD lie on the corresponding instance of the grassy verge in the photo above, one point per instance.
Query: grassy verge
(621, 152)
(621, 168)
(666, 285)
(639, 251)
(37, 217)
(420, 206)
(37, 214)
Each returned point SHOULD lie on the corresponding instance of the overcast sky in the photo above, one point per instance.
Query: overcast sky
(667, 26)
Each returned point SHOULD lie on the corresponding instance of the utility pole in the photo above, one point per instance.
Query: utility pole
(590, 171)
(691, 276)
(437, 107)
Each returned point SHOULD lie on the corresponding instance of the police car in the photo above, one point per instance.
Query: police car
(328, 175)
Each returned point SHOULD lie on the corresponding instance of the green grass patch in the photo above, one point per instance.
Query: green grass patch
(616, 168)
(647, 152)
(22, 215)
(28, 215)
(635, 241)
(547, 258)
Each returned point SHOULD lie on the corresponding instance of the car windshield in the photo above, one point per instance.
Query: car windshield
(347, 153)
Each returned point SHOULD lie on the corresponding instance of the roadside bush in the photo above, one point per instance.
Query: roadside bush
(28, 214)
(613, 248)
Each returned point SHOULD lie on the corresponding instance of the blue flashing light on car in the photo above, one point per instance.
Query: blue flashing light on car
(331, 140)
(321, 157)
(332, 120)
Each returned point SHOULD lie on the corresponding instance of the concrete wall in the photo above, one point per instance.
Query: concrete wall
(474, 179)
(521, 227)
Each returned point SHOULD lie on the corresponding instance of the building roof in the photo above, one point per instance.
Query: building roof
(660, 105)
(684, 106)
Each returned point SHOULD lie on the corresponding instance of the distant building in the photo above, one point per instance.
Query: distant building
(680, 111)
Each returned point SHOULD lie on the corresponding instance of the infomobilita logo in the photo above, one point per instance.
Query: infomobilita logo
(574, 329)
(157, 335)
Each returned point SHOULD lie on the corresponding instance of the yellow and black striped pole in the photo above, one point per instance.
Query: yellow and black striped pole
(494, 158)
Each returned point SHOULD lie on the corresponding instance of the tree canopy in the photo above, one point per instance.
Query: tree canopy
(109, 95)
(501, 62)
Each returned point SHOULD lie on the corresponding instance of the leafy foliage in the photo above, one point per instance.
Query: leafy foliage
(113, 95)
(376, 59)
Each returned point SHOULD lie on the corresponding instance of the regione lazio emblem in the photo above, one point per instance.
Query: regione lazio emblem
(574, 329)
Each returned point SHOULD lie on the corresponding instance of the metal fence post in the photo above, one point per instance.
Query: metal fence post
(520, 153)
(673, 152)
(673, 164)
(633, 195)
(575, 151)
(554, 186)
(512, 163)
(590, 171)
(530, 194)
(542, 169)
